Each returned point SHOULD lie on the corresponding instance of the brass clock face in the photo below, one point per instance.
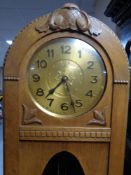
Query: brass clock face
(66, 77)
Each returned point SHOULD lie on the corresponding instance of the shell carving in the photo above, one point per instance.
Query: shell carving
(69, 17)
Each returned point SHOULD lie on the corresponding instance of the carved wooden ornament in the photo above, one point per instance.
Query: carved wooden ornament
(29, 116)
(98, 118)
(69, 17)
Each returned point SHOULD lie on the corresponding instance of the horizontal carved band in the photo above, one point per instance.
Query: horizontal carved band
(11, 78)
(70, 135)
(121, 82)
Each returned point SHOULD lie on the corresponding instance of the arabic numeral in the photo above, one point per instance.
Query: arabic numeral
(64, 106)
(66, 49)
(36, 77)
(50, 52)
(89, 93)
(40, 92)
(50, 101)
(90, 65)
(94, 79)
(41, 64)
(78, 103)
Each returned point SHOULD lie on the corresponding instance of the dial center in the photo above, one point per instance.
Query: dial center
(65, 78)
(65, 70)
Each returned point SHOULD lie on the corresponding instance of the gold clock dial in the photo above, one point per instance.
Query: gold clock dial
(66, 77)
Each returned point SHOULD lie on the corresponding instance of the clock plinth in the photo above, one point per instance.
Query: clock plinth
(65, 97)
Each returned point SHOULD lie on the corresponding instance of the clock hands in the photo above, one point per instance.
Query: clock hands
(62, 81)
(51, 91)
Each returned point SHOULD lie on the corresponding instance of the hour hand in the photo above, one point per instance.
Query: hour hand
(51, 91)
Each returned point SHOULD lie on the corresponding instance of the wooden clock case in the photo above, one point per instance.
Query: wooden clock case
(96, 139)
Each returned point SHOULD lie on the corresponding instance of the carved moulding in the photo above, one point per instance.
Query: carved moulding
(69, 17)
(65, 135)
(29, 116)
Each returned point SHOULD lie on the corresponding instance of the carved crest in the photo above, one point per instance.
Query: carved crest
(69, 17)
(29, 116)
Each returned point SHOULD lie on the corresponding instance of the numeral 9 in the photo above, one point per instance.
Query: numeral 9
(36, 77)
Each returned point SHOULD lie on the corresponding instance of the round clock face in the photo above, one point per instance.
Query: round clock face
(66, 77)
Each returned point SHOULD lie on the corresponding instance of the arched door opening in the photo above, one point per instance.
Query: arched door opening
(63, 163)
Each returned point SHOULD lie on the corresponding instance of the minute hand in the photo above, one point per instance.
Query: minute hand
(72, 102)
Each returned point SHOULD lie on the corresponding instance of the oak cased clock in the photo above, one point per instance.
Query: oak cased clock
(66, 85)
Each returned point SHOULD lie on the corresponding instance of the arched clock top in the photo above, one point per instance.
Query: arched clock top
(70, 19)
